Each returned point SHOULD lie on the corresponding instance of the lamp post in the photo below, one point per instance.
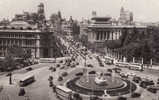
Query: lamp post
(10, 78)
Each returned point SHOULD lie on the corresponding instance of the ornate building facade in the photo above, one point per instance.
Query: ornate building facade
(102, 29)
(26, 36)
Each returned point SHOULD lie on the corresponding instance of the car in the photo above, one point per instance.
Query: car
(137, 79)
(90, 65)
(109, 70)
(73, 66)
(122, 98)
(53, 69)
(124, 75)
(107, 74)
(58, 65)
(61, 61)
(158, 81)
(117, 70)
(60, 78)
(92, 72)
(50, 68)
(29, 69)
(64, 74)
(21, 92)
(146, 82)
(79, 74)
(152, 89)
(135, 95)
(62, 67)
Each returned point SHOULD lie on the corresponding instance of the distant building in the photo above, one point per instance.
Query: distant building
(84, 27)
(67, 26)
(126, 17)
(34, 17)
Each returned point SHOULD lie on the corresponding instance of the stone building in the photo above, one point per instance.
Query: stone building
(102, 29)
(26, 36)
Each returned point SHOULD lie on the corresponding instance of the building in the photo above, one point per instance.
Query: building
(67, 26)
(84, 27)
(26, 36)
(126, 17)
(103, 29)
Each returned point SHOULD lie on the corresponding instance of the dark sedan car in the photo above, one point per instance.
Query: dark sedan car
(146, 82)
(137, 79)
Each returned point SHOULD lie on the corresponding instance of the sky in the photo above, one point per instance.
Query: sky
(143, 10)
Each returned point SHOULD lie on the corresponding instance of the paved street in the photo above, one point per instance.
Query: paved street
(40, 89)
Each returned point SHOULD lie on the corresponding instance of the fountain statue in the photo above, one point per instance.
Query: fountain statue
(100, 79)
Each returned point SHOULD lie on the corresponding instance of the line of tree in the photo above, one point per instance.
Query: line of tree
(138, 45)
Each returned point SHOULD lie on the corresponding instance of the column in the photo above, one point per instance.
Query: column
(112, 35)
(107, 35)
(101, 35)
(104, 35)
(116, 37)
(38, 46)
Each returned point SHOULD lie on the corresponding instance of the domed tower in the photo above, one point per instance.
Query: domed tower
(94, 14)
(41, 9)
(41, 15)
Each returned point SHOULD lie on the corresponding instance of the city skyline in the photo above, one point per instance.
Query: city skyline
(143, 10)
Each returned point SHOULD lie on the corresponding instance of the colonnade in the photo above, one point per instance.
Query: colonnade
(102, 35)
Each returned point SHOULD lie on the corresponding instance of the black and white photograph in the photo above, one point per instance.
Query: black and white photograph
(79, 50)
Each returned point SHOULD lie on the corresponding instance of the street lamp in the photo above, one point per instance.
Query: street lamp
(10, 78)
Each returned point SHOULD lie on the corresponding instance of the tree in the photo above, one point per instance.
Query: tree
(9, 63)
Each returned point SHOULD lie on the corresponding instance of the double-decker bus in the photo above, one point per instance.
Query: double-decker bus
(63, 92)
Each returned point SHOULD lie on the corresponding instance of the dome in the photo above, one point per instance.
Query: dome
(21, 25)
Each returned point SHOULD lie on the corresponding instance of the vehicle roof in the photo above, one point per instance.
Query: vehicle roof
(64, 88)
(26, 77)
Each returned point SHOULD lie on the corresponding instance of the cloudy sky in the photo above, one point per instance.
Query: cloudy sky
(144, 10)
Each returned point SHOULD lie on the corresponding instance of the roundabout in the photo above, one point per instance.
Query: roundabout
(100, 85)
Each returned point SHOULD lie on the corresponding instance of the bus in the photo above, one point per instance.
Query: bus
(122, 64)
(63, 92)
(27, 80)
(136, 66)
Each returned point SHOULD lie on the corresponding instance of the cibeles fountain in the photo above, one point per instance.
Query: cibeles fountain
(101, 79)
(101, 84)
